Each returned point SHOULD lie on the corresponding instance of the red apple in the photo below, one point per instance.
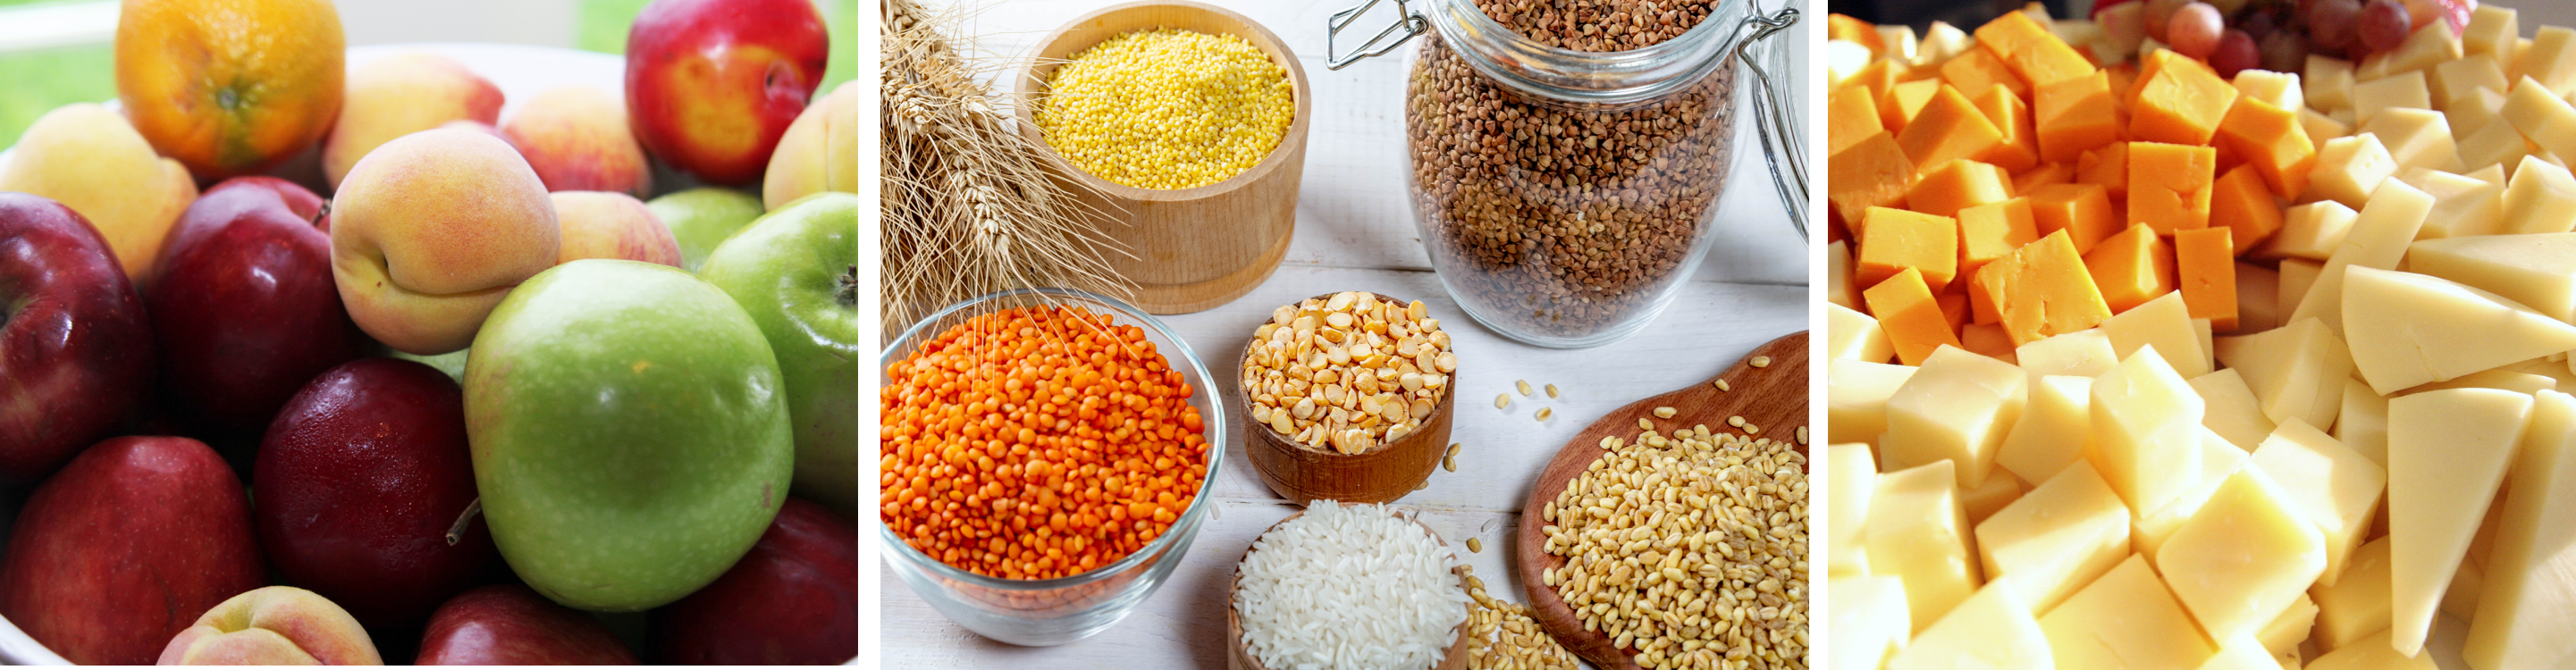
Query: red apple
(126, 547)
(512, 625)
(75, 347)
(712, 84)
(247, 312)
(794, 600)
(362, 476)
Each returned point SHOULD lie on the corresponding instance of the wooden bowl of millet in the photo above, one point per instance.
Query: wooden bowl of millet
(1194, 248)
(1383, 471)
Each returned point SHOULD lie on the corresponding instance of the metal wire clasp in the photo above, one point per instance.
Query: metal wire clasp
(1411, 23)
(1783, 144)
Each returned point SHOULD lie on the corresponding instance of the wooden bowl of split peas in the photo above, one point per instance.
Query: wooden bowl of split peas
(1347, 469)
(1191, 248)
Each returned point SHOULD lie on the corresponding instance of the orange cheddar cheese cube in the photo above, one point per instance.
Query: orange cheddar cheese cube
(1903, 100)
(2131, 268)
(2030, 50)
(1948, 128)
(1894, 240)
(1870, 173)
(2273, 141)
(2169, 185)
(1957, 185)
(1987, 232)
(2241, 203)
(2205, 272)
(1850, 116)
(2045, 174)
(2076, 115)
(1954, 309)
(1910, 316)
(1878, 77)
(2107, 167)
(1988, 339)
(2037, 291)
(1855, 31)
(2181, 104)
(2019, 149)
(2083, 211)
(1975, 70)
(2147, 69)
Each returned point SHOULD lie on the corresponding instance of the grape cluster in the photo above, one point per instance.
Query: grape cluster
(2279, 35)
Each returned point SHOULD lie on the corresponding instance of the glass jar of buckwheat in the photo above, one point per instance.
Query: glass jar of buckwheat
(1566, 156)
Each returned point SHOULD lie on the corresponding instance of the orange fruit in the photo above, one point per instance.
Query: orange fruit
(230, 87)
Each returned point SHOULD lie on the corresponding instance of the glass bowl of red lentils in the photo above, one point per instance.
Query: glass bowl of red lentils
(1041, 456)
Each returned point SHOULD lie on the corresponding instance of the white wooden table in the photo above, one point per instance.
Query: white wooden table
(1355, 231)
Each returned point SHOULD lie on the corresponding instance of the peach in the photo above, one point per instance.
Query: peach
(576, 138)
(274, 625)
(600, 224)
(91, 160)
(820, 151)
(399, 95)
(431, 230)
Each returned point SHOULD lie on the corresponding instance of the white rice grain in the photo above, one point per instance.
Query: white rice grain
(1349, 587)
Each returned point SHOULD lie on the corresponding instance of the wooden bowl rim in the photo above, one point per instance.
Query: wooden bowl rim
(1242, 648)
(1026, 88)
(1262, 430)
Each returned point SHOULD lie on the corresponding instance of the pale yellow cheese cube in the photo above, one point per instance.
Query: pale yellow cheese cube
(2495, 142)
(2378, 240)
(2328, 83)
(2472, 109)
(2298, 275)
(2492, 174)
(2279, 88)
(2348, 168)
(2372, 653)
(2056, 538)
(1957, 407)
(2163, 323)
(2242, 652)
(2407, 329)
(2321, 128)
(1853, 336)
(2528, 607)
(2310, 231)
(2454, 80)
(1992, 630)
(2536, 270)
(2541, 115)
(1897, 42)
(2541, 198)
(2424, 49)
(2398, 89)
(2001, 489)
(2056, 427)
(2356, 605)
(1867, 616)
(2363, 425)
(2492, 30)
(2258, 299)
(2148, 529)
(1942, 42)
(1856, 396)
(2246, 555)
(1843, 58)
(2126, 619)
(2462, 205)
(2552, 60)
(2334, 487)
(1838, 276)
(2447, 452)
(1918, 533)
(2295, 370)
(2084, 353)
(1853, 473)
(2231, 410)
(2146, 430)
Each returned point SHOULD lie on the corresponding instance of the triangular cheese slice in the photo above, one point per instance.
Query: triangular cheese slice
(2536, 270)
(2447, 451)
(2529, 602)
(2407, 329)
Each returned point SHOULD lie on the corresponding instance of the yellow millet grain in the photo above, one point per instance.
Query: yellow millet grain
(1167, 109)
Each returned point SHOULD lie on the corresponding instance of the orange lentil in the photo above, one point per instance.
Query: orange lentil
(1037, 443)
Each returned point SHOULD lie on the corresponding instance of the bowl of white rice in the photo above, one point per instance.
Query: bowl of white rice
(1348, 587)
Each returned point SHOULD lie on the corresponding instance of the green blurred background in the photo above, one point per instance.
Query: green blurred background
(36, 81)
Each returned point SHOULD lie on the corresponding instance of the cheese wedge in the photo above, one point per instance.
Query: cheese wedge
(2296, 370)
(2125, 619)
(2529, 602)
(2378, 240)
(2232, 411)
(1918, 533)
(2054, 431)
(2409, 329)
(2057, 537)
(2246, 555)
(2335, 487)
(1854, 475)
(1992, 630)
(1957, 407)
(2146, 430)
(1868, 619)
(2447, 452)
(2538, 271)
(1856, 395)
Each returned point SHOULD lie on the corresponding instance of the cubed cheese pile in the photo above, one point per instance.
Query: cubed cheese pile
(2136, 367)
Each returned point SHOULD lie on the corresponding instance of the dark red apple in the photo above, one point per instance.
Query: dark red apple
(75, 347)
(246, 312)
(358, 483)
(712, 84)
(126, 547)
(512, 625)
(794, 600)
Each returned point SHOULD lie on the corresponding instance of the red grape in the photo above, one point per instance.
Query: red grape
(2194, 30)
(2284, 51)
(2235, 54)
(2382, 25)
(2330, 22)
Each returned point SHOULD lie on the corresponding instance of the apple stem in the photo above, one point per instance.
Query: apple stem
(848, 291)
(456, 533)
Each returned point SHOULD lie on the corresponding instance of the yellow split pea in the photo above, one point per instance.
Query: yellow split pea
(1167, 109)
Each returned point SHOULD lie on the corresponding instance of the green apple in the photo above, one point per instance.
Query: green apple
(629, 432)
(702, 218)
(796, 271)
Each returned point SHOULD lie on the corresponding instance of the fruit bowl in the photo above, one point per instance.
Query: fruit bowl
(1046, 612)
